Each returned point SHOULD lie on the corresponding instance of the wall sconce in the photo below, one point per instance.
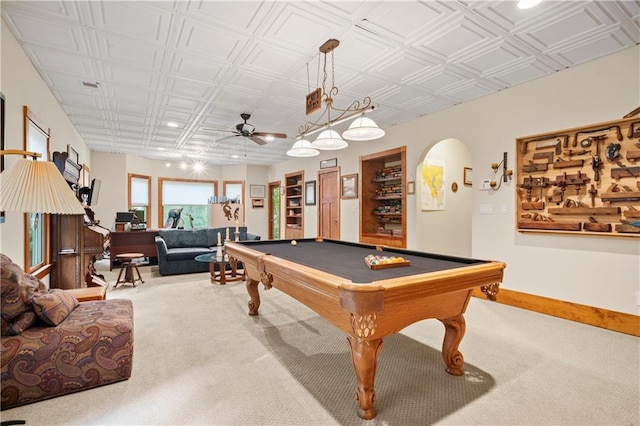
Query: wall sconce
(506, 173)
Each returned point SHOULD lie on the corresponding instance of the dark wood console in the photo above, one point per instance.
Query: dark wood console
(133, 242)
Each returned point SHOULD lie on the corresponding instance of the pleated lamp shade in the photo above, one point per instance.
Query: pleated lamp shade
(36, 187)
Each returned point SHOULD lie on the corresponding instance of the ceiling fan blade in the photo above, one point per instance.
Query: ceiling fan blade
(275, 135)
(209, 129)
(228, 137)
(257, 140)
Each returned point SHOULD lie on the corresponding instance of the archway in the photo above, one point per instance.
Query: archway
(443, 219)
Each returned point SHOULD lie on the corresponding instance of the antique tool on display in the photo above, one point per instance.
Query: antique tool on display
(557, 141)
(563, 164)
(634, 130)
(592, 193)
(620, 172)
(607, 130)
(594, 226)
(633, 155)
(535, 167)
(596, 161)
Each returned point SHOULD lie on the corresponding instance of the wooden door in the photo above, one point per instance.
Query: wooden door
(329, 201)
(274, 210)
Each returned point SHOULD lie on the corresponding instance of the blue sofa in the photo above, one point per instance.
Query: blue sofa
(178, 248)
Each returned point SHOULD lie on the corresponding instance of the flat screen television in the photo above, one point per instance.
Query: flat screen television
(94, 193)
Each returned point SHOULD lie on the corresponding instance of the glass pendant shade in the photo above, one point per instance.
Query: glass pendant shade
(363, 129)
(329, 140)
(302, 148)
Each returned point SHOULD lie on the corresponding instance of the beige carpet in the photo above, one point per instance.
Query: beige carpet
(200, 359)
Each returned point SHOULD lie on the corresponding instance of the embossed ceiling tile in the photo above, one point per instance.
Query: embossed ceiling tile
(460, 39)
(274, 59)
(252, 79)
(440, 78)
(207, 41)
(178, 86)
(188, 66)
(469, 92)
(587, 51)
(499, 56)
(129, 52)
(129, 107)
(45, 33)
(181, 103)
(358, 50)
(506, 14)
(401, 67)
(143, 21)
(129, 76)
(80, 99)
(402, 20)
(240, 15)
(130, 94)
(53, 60)
(563, 28)
(168, 114)
(299, 18)
(525, 73)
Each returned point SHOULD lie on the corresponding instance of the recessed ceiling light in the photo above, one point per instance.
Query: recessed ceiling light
(198, 167)
(183, 165)
(268, 138)
(527, 4)
(172, 124)
(235, 156)
(167, 164)
(160, 148)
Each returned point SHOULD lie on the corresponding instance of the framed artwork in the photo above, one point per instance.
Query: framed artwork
(411, 187)
(349, 186)
(257, 191)
(326, 164)
(468, 178)
(310, 193)
(73, 154)
(257, 203)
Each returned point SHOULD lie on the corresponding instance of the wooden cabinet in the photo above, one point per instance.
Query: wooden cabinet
(74, 248)
(133, 242)
(294, 205)
(383, 216)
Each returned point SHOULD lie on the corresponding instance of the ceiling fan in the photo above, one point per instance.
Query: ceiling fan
(247, 130)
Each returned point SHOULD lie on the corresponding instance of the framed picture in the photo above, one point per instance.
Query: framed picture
(257, 203)
(411, 187)
(349, 186)
(86, 175)
(468, 178)
(310, 193)
(326, 164)
(257, 191)
(73, 154)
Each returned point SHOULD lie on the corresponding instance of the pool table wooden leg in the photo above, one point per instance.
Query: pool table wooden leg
(454, 332)
(254, 294)
(364, 354)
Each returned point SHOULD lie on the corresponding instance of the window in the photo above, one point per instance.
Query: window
(192, 196)
(36, 224)
(140, 197)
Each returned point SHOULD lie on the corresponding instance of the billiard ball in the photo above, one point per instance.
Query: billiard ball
(294, 242)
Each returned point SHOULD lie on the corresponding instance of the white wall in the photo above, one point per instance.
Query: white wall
(602, 272)
(22, 85)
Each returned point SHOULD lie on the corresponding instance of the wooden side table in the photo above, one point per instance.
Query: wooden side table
(89, 293)
(129, 268)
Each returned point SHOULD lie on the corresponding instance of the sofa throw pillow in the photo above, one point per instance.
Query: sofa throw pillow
(55, 306)
(16, 289)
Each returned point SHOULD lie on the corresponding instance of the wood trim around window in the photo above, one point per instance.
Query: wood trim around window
(44, 267)
(161, 182)
(149, 204)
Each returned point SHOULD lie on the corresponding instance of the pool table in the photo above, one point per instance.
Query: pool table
(332, 278)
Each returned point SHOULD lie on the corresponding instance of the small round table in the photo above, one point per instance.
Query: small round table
(227, 268)
(128, 266)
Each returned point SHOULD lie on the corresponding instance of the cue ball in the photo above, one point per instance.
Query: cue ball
(294, 242)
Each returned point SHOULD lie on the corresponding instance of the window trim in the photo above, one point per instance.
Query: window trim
(130, 177)
(43, 267)
(161, 182)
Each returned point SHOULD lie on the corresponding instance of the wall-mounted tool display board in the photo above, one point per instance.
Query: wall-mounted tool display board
(583, 181)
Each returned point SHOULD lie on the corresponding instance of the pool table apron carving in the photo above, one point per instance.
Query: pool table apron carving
(368, 312)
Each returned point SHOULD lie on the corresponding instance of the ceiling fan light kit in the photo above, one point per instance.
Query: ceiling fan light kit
(362, 129)
(302, 148)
